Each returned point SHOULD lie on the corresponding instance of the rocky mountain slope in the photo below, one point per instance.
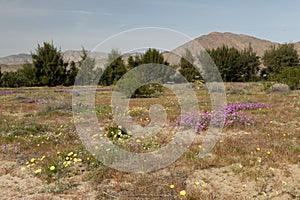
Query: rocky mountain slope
(210, 41)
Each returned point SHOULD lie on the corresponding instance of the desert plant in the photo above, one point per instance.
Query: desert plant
(289, 76)
(48, 65)
(279, 88)
(116, 132)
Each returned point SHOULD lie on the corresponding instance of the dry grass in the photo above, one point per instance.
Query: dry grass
(33, 130)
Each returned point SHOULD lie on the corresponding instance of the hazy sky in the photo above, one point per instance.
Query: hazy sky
(71, 24)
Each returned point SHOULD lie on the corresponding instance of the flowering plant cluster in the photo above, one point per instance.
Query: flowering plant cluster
(228, 115)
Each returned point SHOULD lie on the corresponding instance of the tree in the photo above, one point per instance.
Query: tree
(27, 71)
(115, 69)
(71, 74)
(248, 65)
(87, 73)
(21, 77)
(278, 57)
(133, 61)
(187, 69)
(153, 56)
(147, 73)
(234, 65)
(49, 67)
(289, 76)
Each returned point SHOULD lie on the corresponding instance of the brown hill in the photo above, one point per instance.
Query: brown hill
(238, 41)
(217, 39)
(297, 47)
(210, 41)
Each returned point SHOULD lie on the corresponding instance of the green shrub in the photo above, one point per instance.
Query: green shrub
(117, 132)
(289, 76)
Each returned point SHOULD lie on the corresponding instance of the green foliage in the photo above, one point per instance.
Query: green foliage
(145, 81)
(28, 72)
(187, 69)
(19, 78)
(114, 71)
(135, 84)
(248, 65)
(71, 74)
(209, 71)
(153, 56)
(153, 72)
(49, 67)
(140, 83)
(9, 79)
(289, 76)
(133, 62)
(277, 58)
(116, 132)
(87, 74)
(234, 65)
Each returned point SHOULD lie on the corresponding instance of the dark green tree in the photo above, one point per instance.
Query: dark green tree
(187, 69)
(152, 71)
(278, 57)
(153, 56)
(289, 76)
(226, 59)
(248, 65)
(133, 61)
(71, 74)
(88, 74)
(13, 79)
(49, 67)
(27, 71)
(234, 65)
(115, 69)
(20, 78)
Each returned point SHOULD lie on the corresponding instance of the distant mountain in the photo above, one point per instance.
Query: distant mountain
(210, 41)
(14, 62)
(16, 59)
(217, 39)
(238, 41)
(297, 47)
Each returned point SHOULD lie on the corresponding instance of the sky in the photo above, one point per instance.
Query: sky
(73, 24)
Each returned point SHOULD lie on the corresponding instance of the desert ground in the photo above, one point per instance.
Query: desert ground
(257, 155)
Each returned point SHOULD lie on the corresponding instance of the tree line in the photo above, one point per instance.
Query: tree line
(280, 64)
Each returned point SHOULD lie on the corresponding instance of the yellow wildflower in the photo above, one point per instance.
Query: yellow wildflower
(172, 186)
(42, 158)
(70, 154)
(52, 168)
(182, 193)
